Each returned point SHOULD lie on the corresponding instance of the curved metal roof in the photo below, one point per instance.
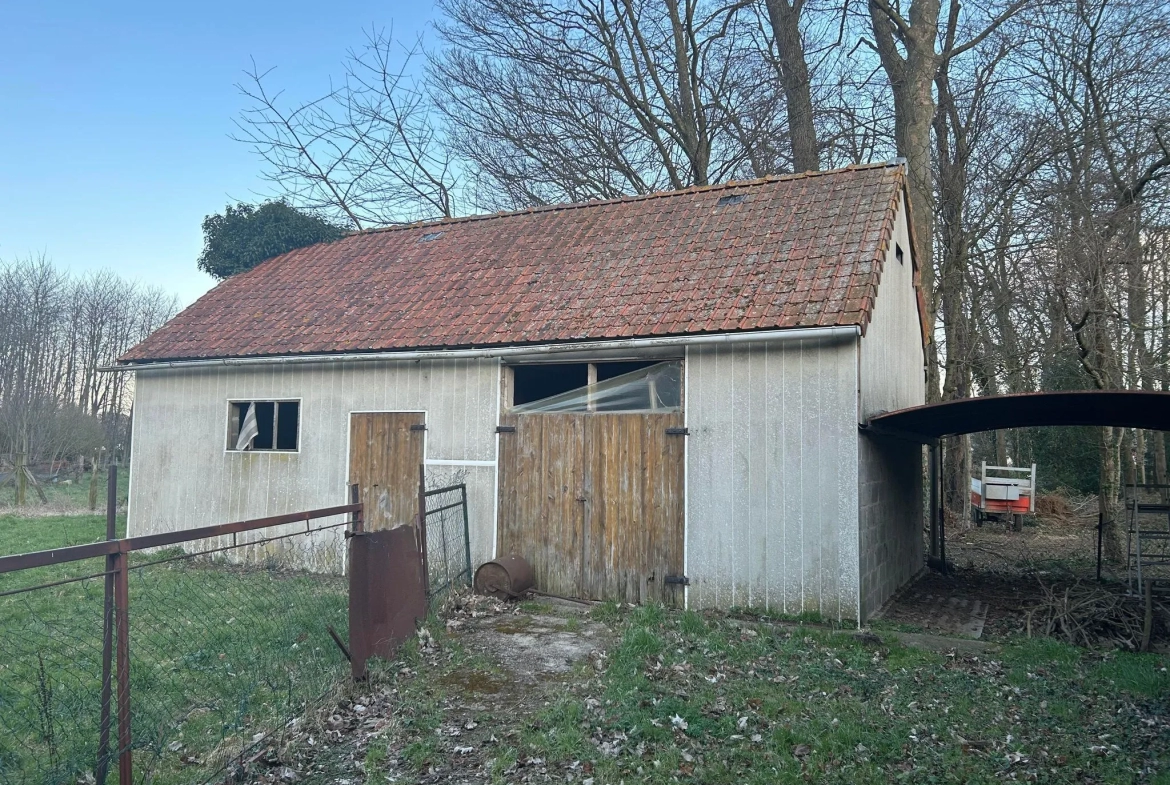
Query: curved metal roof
(1118, 408)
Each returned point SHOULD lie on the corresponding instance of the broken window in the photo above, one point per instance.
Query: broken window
(264, 425)
(607, 387)
(537, 382)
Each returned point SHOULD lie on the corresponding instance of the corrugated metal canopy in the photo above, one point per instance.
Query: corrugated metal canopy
(1119, 408)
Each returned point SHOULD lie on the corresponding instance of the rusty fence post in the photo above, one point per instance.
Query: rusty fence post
(103, 761)
(422, 526)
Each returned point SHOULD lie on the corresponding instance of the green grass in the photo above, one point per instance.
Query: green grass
(219, 653)
(709, 699)
(65, 495)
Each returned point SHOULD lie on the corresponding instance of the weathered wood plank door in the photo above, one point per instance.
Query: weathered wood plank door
(595, 503)
(385, 450)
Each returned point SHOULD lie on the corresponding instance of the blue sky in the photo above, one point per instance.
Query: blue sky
(115, 120)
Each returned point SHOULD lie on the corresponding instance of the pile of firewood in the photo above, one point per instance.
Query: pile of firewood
(1096, 616)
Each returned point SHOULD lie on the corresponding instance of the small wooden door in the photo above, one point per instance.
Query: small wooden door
(385, 450)
(595, 503)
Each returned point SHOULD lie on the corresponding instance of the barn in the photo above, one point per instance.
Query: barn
(654, 398)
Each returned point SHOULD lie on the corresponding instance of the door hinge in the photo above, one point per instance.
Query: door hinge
(505, 429)
(681, 580)
(678, 432)
(419, 426)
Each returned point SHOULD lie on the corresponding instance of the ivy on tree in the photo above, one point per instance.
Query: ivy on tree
(245, 235)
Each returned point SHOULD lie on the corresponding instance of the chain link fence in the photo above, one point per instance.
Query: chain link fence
(225, 647)
(51, 674)
(193, 657)
(448, 544)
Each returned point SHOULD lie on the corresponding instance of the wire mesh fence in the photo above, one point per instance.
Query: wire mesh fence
(188, 654)
(51, 659)
(226, 647)
(448, 541)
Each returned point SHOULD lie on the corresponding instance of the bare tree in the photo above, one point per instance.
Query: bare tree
(913, 48)
(367, 152)
(55, 331)
(784, 17)
(557, 100)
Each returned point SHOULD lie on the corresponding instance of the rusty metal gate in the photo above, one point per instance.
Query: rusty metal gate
(595, 503)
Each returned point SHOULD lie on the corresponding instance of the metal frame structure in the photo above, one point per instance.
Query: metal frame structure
(1136, 560)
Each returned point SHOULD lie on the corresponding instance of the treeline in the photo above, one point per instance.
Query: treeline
(56, 331)
(1036, 137)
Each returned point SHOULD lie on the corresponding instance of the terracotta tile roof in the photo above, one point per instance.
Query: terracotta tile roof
(795, 251)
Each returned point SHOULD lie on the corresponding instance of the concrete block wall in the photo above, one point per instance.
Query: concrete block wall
(890, 517)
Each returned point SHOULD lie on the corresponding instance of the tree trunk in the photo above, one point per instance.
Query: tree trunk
(695, 142)
(21, 480)
(911, 81)
(1139, 454)
(1109, 500)
(794, 78)
(1159, 440)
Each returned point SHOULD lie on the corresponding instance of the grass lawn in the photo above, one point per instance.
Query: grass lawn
(717, 701)
(65, 497)
(684, 697)
(219, 654)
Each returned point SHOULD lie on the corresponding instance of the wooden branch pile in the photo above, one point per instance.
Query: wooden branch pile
(1097, 616)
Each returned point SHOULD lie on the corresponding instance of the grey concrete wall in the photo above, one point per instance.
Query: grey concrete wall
(890, 518)
(182, 475)
(890, 471)
(772, 477)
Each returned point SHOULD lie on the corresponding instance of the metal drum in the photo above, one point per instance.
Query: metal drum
(506, 578)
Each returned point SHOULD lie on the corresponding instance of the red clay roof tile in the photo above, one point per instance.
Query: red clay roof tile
(798, 251)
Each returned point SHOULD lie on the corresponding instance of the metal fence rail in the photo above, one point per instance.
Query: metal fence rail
(173, 666)
(447, 539)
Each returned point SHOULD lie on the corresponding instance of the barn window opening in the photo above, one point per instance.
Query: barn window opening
(610, 370)
(898, 253)
(537, 382)
(726, 200)
(429, 236)
(608, 387)
(264, 425)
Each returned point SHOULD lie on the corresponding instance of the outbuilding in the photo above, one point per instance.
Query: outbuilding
(649, 398)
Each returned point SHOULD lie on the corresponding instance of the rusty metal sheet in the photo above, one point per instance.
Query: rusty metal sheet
(387, 593)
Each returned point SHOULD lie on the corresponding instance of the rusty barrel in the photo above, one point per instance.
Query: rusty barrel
(506, 578)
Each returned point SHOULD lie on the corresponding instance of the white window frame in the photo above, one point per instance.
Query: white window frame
(229, 445)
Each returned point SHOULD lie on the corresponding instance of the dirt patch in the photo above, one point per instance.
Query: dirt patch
(451, 712)
(474, 681)
(534, 647)
(953, 604)
(1042, 546)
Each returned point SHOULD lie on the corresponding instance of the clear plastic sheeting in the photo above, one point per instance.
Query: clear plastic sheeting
(656, 388)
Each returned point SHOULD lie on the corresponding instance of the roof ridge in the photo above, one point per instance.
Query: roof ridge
(694, 189)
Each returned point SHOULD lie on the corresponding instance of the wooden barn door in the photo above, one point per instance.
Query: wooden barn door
(595, 503)
(385, 450)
